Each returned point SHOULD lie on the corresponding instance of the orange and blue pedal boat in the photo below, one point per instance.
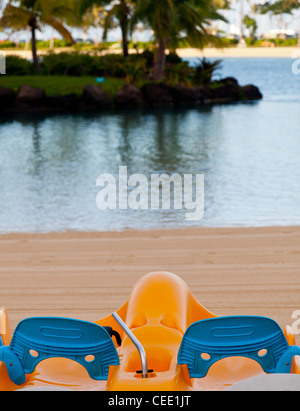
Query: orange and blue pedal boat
(161, 339)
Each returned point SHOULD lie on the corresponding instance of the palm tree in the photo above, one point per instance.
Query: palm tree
(118, 13)
(34, 14)
(93, 17)
(122, 12)
(251, 24)
(175, 20)
(279, 8)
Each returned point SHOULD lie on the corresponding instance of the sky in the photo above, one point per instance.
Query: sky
(265, 24)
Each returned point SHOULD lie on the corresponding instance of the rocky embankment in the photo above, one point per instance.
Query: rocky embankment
(93, 97)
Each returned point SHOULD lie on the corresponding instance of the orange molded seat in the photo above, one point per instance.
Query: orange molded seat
(160, 309)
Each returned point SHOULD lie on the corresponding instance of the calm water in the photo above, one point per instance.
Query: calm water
(249, 153)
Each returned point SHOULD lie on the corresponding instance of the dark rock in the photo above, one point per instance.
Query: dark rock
(227, 91)
(186, 95)
(61, 103)
(157, 94)
(96, 97)
(7, 98)
(129, 96)
(251, 92)
(29, 96)
(204, 93)
(229, 80)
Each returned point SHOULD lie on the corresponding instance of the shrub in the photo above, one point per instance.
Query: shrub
(112, 65)
(148, 55)
(173, 58)
(57, 43)
(83, 46)
(134, 70)
(7, 45)
(205, 71)
(70, 64)
(16, 66)
(292, 42)
(180, 73)
(86, 64)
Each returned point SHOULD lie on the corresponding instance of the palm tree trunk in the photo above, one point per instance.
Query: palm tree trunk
(125, 39)
(160, 62)
(124, 28)
(33, 26)
(34, 52)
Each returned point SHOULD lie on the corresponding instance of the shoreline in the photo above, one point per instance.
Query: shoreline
(143, 231)
(231, 52)
(88, 275)
(93, 97)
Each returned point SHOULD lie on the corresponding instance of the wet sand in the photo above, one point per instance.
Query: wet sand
(246, 271)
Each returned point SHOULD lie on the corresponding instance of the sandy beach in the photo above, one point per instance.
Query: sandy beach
(247, 52)
(254, 52)
(231, 271)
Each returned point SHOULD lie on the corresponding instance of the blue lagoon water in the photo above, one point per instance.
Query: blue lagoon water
(248, 152)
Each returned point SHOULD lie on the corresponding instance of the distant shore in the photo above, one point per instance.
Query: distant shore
(259, 52)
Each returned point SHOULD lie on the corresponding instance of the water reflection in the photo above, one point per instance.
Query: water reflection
(249, 154)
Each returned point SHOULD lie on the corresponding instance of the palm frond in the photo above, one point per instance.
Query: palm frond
(109, 19)
(59, 27)
(15, 17)
(85, 5)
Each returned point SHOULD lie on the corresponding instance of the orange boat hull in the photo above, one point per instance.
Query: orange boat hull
(160, 309)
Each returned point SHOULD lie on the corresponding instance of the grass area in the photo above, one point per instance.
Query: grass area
(60, 85)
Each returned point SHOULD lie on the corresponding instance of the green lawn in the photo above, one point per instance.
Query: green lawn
(60, 85)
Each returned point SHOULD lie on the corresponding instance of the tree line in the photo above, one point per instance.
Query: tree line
(170, 21)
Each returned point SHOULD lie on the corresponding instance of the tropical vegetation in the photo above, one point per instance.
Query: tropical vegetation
(279, 8)
(35, 14)
(181, 19)
(117, 13)
(171, 22)
(135, 69)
